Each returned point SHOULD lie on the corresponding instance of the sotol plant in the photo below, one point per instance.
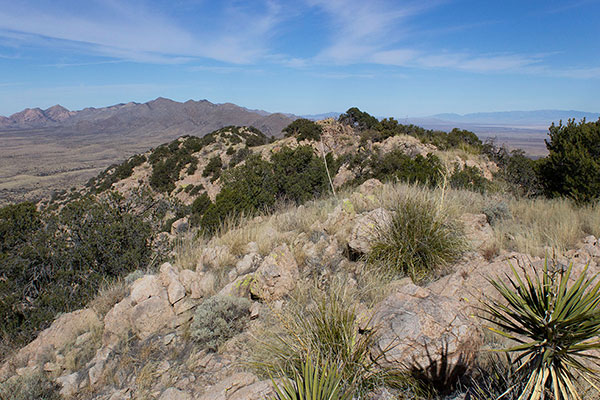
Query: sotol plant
(554, 325)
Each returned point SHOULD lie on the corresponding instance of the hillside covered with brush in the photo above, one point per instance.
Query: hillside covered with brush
(352, 253)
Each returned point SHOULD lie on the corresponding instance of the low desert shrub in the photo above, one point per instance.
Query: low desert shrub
(554, 324)
(36, 386)
(496, 212)
(218, 319)
(420, 239)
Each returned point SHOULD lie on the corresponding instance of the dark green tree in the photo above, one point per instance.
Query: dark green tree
(572, 167)
(304, 129)
(299, 174)
(358, 119)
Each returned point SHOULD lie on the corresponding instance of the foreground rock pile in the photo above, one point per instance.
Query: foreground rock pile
(141, 347)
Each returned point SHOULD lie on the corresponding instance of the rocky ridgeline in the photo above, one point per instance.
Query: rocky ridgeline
(140, 347)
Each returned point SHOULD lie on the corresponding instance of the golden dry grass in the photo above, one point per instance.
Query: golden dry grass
(536, 226)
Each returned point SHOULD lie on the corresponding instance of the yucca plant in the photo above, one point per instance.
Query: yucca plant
(319, 381)
(555, 326)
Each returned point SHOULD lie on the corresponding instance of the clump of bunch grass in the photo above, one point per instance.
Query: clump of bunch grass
(218, 319)
(318, 380)
(34, 386)
(554, 325)
(420, 239)
(329, 326)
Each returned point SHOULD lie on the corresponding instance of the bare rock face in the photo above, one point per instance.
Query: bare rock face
(257, 391)
(418, 328)
(151, 315)
(63, 331)
(180, 226)
(339, 221)
(117, 321)
(175, 394)
(369, 186)
(408, 145)
(477, 229)
(365, 229)
(227, 388)
(144, 288)
(203, 286)
(343, 176)
(276, 276)
(69, 384)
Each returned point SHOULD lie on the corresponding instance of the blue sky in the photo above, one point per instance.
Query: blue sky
(400, 58)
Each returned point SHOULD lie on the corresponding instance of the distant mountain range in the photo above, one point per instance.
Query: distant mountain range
(160, 115)
(531, 118)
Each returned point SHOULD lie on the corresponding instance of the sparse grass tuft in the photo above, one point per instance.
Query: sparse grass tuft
(109, 295)
(420, 239)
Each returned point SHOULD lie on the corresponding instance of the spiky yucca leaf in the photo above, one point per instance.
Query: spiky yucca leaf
(322, 381)
(555, 326)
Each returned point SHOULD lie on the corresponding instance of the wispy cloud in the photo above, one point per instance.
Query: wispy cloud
(360, 28)
(139, 33)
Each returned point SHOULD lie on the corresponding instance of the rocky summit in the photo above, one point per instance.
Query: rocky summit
(226, 266)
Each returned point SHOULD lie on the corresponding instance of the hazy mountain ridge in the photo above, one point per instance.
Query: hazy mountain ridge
(536, 117)
(45, 149)
(191, 117)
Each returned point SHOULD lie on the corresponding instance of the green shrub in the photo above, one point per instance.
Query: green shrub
(17, 223)
(213, 167)
(247, 189)
(469, 178)
(218, 319)
(554, 325)
(193, 166)
(516, 169)
(397, 166)
(195, 190)
(293, 174)
(199, 207)
(255, 137)
(240, 156)
(168, 161)
(106, 179)
(317, 381)
(299, 174)
(419, 240)
(304, 129)
(62, 261)
(230, 151)
(572, 167)
(36, 386)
